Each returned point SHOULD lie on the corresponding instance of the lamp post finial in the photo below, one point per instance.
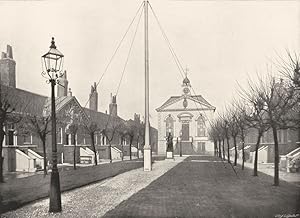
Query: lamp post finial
(52, 43)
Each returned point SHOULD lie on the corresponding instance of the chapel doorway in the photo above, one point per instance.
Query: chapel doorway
(185, 131)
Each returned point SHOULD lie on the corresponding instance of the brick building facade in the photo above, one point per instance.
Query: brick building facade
(67, 110)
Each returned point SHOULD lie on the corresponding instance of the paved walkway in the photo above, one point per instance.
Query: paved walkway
(269, 170)
(204, 186)
(95, 200)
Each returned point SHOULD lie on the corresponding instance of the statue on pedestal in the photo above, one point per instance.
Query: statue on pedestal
(170, 142)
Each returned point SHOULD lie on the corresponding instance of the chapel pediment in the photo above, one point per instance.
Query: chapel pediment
(185, 103)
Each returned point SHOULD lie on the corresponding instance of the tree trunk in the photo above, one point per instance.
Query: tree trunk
(235, 150)
(109, 152)
(2, 133)
(216, 148)
(256, 154)
(137, 147)
(276, 156)
(220, 150)
(228, 152)
(130, 143)
(74, 157)
(122, 158)
(74, 153)
(243, 151)
(45, 156)
(94, 148)
(223, 145)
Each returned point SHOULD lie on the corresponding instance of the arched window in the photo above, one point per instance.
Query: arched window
(169, 125)
(201, 130)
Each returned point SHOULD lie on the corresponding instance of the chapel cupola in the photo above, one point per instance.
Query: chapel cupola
(186, 84)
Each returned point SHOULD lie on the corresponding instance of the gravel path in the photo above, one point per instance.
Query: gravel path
(96, 199)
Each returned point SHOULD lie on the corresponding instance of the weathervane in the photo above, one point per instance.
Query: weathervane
(186, 71)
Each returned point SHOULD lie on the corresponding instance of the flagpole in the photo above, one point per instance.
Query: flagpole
(147, 147)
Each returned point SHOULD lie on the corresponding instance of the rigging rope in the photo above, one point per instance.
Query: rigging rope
(116, 50)
(181, 70)
(179, 66)
(129, 52)
(126, 62)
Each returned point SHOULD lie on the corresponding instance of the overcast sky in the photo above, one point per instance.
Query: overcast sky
(221, 42)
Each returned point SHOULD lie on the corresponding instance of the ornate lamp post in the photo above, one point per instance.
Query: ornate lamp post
(52, 66)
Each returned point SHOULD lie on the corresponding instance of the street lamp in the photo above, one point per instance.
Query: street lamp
(52, 63)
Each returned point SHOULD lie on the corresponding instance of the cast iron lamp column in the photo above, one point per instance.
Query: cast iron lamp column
(53, 61)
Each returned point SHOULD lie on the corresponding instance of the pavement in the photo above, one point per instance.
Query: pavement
(268, 168)
(196, 186)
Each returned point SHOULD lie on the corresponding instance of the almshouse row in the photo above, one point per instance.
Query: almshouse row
(29, 124)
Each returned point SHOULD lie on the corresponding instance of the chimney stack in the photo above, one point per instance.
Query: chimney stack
(8, 68)
(94, 97)
(113, 107)
(9, 52)
(62, 86)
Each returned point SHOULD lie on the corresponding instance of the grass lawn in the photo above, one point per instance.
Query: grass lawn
(18, 192)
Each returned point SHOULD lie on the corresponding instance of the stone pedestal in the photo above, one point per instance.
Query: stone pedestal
(170, 155)
(147, 159)
(140, 153)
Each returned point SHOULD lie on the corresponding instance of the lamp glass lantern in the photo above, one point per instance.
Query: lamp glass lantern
(53, 61)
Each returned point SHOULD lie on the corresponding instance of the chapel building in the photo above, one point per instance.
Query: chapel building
(187, 118)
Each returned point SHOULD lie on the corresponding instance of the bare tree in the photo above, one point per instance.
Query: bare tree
(39, 125)
(131, 134)
(257, 118)
(242, 124)
(91, 129)
(12, 107)
(74, 119)
(233, 129)
(112, 127)
(73, 128)
(289, 68)
(219, 132)
(214, 136)
(278, 100)
(224, 124)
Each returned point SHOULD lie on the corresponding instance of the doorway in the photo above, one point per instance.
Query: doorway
(185, 131)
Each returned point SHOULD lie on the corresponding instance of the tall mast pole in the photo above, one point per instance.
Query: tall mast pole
(147, 147)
